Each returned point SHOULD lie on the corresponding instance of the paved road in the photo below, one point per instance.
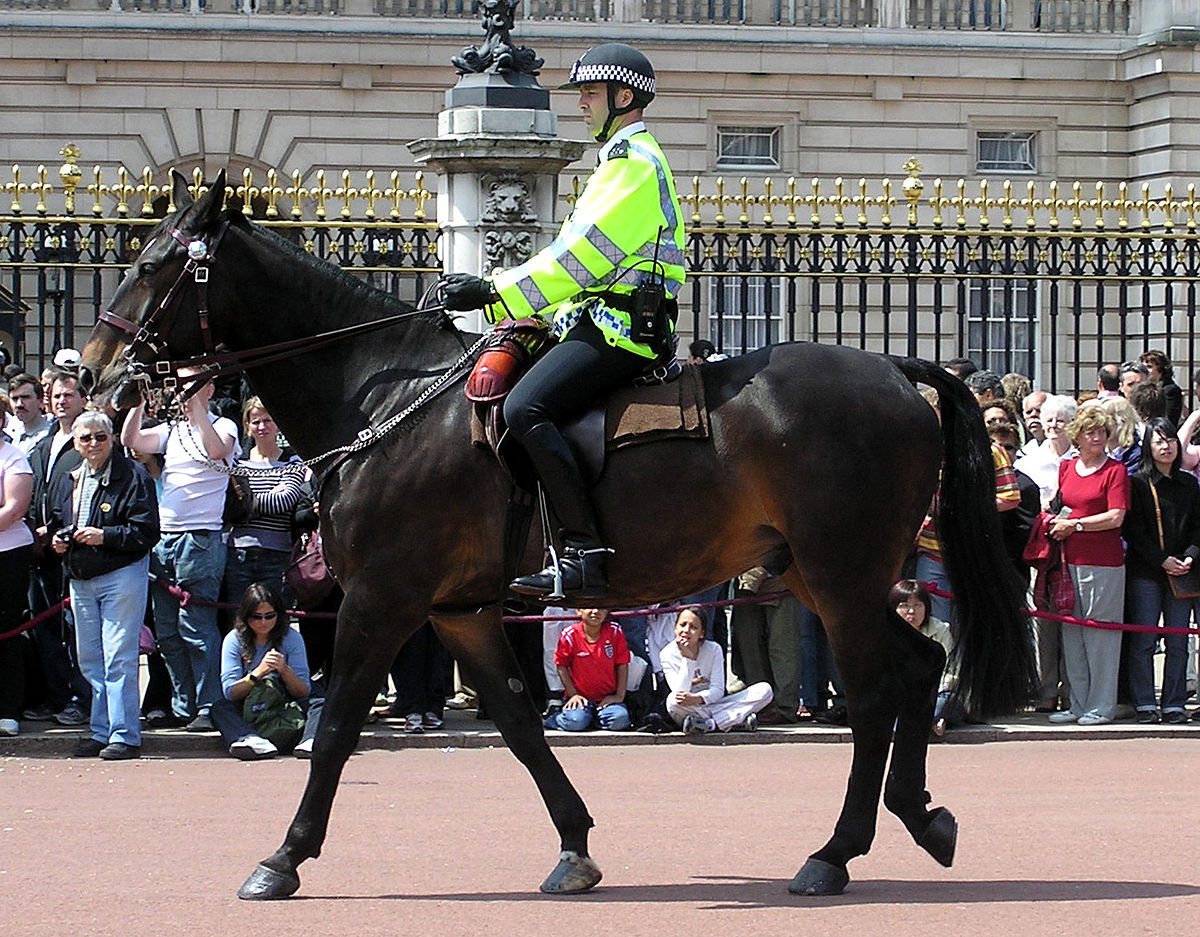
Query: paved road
(1064, 837)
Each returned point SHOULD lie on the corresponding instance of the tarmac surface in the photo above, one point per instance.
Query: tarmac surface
(1062, 830)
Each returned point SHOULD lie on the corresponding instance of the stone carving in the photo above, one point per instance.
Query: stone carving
(497, 54)
(507, 248)
(508, 200)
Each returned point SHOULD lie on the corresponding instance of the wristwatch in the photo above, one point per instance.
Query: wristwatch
(1079, 527)
(254, 679)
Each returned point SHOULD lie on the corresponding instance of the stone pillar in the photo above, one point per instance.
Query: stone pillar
(497, 185)
(1174, 21)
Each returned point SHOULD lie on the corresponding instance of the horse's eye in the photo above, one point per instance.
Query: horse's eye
(147, 269)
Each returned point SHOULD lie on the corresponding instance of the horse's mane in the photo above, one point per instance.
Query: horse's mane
(354, 295)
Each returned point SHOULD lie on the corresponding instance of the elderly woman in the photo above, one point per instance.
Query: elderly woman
(104, 517)
(695, 672)
(260, 549)
(1041, 463)
(1094, 492)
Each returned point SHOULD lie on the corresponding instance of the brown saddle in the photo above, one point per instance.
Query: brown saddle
(664, 402)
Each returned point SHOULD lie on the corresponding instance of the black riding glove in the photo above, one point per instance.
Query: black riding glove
(464, 292)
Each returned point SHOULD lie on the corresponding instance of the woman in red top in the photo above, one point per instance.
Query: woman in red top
(1094, 493)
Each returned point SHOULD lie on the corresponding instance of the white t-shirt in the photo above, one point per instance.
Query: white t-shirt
(13, 462)
(193, 493)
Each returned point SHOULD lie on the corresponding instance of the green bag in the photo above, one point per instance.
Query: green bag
(273, 714)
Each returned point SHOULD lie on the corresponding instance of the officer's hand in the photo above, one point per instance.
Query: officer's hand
(465, 292)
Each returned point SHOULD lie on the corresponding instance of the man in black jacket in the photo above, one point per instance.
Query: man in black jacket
(52, 459)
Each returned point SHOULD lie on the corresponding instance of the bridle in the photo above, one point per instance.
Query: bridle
(158, 371)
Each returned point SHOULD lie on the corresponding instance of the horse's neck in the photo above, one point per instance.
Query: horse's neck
(322, 399)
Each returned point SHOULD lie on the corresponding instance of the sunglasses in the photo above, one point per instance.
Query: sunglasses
(87, 438)
(266, 616)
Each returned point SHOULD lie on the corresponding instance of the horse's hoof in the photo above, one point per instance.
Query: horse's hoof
(819, 878)
(573, 874)
(940, 836)
(265, 884)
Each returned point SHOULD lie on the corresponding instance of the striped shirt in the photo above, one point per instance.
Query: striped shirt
(929, 541)
(276, 495)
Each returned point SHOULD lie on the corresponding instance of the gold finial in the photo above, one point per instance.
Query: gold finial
(371, 194)
(70, 174)
(148, 190)
(273, 192)
(123, 190)
(346, 192)
(421, 194)
(42, 188)
(96, 189)
(295, 192)
(912, 187)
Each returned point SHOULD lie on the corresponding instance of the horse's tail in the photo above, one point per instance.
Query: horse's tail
(994, 648)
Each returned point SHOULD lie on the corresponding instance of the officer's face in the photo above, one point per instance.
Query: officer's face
(593, 104)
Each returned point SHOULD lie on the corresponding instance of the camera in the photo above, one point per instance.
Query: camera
(64, 533)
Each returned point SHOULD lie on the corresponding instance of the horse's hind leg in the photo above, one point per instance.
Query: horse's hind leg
(478, 642)
(935, 831)
(361, 661)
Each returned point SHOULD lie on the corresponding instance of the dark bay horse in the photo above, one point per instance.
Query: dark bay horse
(822, 463)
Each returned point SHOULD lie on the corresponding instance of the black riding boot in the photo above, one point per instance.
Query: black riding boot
(583, 561)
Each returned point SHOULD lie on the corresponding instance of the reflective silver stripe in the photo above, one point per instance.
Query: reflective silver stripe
(532, 293)
(575, 269)
(666, 202)
(601, 241)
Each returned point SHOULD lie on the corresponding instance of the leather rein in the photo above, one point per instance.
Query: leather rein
(161, 372)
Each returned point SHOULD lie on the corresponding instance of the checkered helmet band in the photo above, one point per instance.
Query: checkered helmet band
(600, 72)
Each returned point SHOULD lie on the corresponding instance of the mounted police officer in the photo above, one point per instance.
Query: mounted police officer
(607, 283)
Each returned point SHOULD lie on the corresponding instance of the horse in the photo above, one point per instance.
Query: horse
(821, 464)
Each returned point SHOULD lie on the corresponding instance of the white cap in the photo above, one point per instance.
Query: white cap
(67, 358)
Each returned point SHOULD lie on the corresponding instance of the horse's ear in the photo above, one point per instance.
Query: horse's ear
(209, 205)
(181, 195)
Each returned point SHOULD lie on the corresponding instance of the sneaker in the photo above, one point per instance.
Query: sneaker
(750, 723)
(304, 749)
(253, 748)
(9, 728)
(555, 706)
(694, 725)
(87, 748)
(72, 715)
(413, 724)
(1148, 717)
(202, 723)
(654, 724)
(1063, 718)
(161, 719)
(38, 714)
(1093, 719)
(432, 721)
(1176, 717)
(119, 751)
(461, 700)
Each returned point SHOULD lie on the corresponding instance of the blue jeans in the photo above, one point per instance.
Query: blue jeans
(930, 569)
(227, 717)
(246, 565)
(1147, 600)
(187, 635)
(817, 667)
(109, 609)
(614, 717)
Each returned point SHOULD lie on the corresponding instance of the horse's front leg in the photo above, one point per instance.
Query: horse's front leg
(479, 645)
(363, 651)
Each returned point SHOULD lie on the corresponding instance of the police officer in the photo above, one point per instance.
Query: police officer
(616, 264)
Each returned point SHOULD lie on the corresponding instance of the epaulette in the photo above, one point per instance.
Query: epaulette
(620, 150)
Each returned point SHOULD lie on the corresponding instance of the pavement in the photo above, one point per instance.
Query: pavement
(463, 730)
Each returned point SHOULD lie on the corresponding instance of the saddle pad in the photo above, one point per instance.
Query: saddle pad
(662, 411)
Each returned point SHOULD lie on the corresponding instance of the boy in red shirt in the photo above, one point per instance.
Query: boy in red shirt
(592, 659)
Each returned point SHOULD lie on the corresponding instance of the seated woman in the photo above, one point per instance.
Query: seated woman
(592, 660)
(262, 646)
(695, 672)
(910, 599)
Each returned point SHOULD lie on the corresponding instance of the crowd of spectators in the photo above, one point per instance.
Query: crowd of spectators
(1097, 494)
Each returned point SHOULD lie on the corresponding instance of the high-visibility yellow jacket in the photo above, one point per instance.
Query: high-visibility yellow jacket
(606, 244)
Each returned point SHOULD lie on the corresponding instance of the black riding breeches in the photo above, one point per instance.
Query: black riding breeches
(569, 378)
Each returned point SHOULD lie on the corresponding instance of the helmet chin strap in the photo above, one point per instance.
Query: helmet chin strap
(604, 132)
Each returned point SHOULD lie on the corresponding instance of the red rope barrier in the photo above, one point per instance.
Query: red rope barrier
(36, 619)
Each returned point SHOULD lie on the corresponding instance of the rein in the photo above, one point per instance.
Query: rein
(213, 364)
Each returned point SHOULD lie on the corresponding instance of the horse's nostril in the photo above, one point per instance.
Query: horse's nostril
(87, 380)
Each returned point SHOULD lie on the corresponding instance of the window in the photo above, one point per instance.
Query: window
(1001, 325)
(745, 313)
(748, 146)
(1006, 151)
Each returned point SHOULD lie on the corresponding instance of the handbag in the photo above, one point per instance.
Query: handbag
(239, 502)
(307, 574)
(1186, 586)
(273, 714)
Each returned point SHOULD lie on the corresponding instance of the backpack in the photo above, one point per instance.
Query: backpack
(273, 714)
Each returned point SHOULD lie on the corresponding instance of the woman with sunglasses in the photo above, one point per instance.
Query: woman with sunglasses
(262, 646)
(104, 519)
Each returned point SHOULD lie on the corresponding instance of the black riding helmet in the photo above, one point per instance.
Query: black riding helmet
(616, 64)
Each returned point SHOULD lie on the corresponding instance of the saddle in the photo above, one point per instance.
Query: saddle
(665, 401)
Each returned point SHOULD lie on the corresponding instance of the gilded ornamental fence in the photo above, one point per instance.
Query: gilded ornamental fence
(1040, 277)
